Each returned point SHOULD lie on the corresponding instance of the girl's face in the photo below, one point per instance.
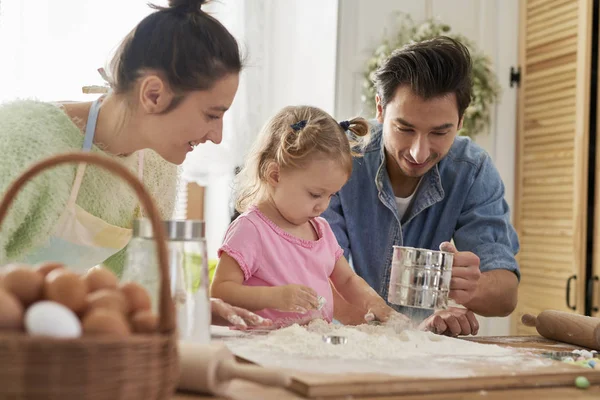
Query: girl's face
(301, 194)
(197, 118)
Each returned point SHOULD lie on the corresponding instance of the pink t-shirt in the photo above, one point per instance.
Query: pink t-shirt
(269, 256)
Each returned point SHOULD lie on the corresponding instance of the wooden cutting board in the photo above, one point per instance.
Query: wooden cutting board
(319, 385)
(487, 374)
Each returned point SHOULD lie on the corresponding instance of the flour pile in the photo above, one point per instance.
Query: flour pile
(367, 342)
(378, 349)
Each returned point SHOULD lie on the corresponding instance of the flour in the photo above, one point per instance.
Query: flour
(377, 349)
(370, 342)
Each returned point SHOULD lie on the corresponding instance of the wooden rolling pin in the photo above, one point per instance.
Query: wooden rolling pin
(566, 327)
(209, 368)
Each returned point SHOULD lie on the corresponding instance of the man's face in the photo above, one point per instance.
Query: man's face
(417, 133)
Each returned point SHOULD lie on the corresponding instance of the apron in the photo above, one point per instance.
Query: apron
(80, 239)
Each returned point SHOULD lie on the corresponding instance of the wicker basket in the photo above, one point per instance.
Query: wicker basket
(94, 367)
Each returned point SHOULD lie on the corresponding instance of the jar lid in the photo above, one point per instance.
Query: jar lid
(183, 229)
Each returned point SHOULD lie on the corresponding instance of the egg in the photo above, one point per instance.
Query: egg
(137, 296)
(144, 322)
(11, 311)
(100, 278)
(48, 318)
(45, 268)
(111, 299)
(66, 288)
(23, 282)
(101, 321)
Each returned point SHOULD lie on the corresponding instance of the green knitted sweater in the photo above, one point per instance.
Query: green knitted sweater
(31, 131)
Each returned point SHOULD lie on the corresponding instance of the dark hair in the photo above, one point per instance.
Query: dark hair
(191, 48)
(431, 68)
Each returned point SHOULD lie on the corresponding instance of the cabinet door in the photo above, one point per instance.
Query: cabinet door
(594, 279)
(552, 154)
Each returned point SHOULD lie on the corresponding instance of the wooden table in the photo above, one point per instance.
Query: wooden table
(249, 391)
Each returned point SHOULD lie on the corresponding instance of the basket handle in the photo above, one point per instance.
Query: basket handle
(166, 306)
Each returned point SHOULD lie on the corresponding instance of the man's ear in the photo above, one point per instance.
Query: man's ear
(460, 122)
(155, 95)
(380, 109)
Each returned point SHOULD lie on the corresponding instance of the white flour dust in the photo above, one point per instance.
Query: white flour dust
(369, 342)
(378, 349)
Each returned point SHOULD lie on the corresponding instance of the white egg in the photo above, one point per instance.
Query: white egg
(48, 318)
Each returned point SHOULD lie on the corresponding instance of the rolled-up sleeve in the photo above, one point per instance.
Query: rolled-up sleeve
(484, 226)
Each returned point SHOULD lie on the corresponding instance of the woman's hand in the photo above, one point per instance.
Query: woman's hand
(227, 315)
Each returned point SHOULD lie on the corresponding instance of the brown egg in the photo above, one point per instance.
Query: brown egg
(47, 267)
(144, 322)
(24, 283)
(11, 311)
(100, 278)
(105, 322)
(66, 288)
(111, 299)
(137, 297)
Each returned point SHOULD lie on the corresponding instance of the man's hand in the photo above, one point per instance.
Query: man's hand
(452, 322)
(465, 274)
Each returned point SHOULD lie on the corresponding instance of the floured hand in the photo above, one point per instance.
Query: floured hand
(452, 322)
(227, 315)
(295, 298)
(381, 312)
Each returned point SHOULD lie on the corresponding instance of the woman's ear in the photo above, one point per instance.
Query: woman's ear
(155, 95)
(273, 174)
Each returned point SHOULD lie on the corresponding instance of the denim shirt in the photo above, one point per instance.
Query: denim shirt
(461, 198)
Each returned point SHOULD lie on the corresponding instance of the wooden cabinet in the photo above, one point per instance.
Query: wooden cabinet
(553, 206)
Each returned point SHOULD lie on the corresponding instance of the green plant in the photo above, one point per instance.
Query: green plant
(486, 89)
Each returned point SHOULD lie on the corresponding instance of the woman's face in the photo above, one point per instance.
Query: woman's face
(197, 118)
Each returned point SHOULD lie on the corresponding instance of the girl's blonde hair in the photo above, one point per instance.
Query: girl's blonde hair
(292, 137)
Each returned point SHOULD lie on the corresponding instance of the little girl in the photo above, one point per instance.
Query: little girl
(279, 256)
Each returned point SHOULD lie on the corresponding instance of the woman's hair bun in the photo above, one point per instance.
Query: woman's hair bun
(192, 6)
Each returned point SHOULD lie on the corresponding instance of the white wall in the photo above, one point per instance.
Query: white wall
(492, 24)
(290, 49)
(50, 49)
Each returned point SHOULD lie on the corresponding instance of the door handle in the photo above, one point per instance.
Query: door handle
(571, 278)
(590, 293)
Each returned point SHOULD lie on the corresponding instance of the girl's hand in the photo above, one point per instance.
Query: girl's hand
(379, 311)
(295, 298)
(383, 313)
(228, 315)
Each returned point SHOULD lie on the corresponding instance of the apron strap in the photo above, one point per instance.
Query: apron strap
(88, 141)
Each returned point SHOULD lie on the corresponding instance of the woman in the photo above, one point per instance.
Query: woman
(173, 77)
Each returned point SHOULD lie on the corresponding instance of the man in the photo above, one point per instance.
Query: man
(418, 184)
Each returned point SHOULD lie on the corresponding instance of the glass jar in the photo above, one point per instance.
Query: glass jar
(188, 269)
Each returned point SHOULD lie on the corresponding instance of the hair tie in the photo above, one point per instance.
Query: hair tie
(299, 125)
(345, 125)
